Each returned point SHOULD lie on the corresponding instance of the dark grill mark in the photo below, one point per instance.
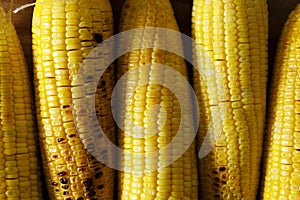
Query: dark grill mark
(65, 187)
(99, 174)
(54, 183)
(98, 38)
(222, 169)
(87, 182)
(91, 193)
(61, 173)
(72, 135)
(63, 181)
(65, 106)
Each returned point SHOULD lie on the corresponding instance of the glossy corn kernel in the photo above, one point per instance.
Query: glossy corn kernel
(19, 167)
(64, 33)
(233, 34)
(152, 115)
(280, 178)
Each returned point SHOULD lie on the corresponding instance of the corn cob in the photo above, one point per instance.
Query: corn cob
(233, 33)
(64, 33)
(281, 163)
(19, 165)
(153, 107)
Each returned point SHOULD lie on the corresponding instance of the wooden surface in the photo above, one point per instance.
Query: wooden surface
(278, 12)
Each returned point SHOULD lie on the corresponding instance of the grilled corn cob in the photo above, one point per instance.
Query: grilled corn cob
(281, 159)
(233, 33)
(64, 33)
(19, 169)
(152, 114)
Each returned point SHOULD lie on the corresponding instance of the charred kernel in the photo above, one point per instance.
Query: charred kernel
(80, 198)
(60, 139)
(54, 156)
(63, 181)
(66, 106)
(98, 175)
(69, 198)
(88, 189)
(217, 179)
(102, 83)
(100, 187)
(65, 193)
(93, 159)
(61, 173)
(91, 193)
(54, 183)
(97, 169)
(98, 38)
(222, 169)
(72, 135)
(56, 190)
(65, 187)
(81, 169)
(87, 182)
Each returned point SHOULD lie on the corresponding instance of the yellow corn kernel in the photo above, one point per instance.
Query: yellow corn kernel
(228, 34)
(18, 134)
(152, 114)
(280, 178)
(63, 36)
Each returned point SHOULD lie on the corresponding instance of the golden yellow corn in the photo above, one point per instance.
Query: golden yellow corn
(232, 41)
(64, 33)
(281, 178)
(19, 164)
(152, 114)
